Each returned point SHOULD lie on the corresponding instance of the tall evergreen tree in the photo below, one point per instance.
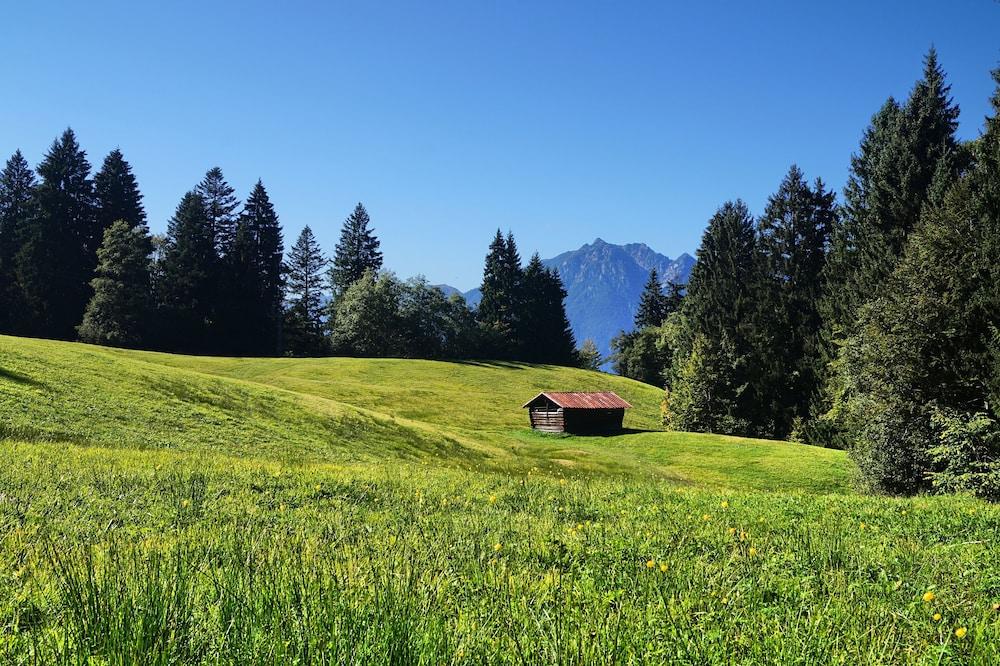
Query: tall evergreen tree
(242, 321)
(261, 222)
(17, 183)
(187, 290)
(357, 251)
(652, 303)
(116, 193)
(221, 205)
(922, 377)
(500, 306)
(794, 234)
(304, 311)
(714, 384)
(120, 312)
(545, 335)
(58, 251)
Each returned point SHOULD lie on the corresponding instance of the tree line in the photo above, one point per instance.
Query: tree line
(870, 324)
(77, 261)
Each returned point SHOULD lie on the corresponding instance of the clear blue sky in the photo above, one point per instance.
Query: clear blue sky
(559, 121)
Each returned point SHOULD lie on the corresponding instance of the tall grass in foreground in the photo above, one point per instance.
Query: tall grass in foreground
(122, 557)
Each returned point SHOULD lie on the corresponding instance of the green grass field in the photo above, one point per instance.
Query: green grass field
(165, 509)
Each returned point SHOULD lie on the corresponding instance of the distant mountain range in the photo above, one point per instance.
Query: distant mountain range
(603, 284)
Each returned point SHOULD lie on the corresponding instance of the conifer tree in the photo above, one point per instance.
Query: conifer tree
(17, 182)
(221, 205)
(652, 303)
(241, 316)
(921, 375)
(357, 251)
(116, 193)
(261, 222)
(120, 311)
(589, 355)
(545, 335)
(304, 310)
(500, 305)
(58, 250)
(187, 289)
(794, 233)
(714, 385)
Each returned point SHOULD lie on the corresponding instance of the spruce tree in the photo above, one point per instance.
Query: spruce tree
(116, 193)
(304, 297)
(120, 311)
(715, 380)
(261, 222)
(17, 182)
(500, 306)
(187, 280)
(589, 355)
(221, 205)
(242, 317)
(652, 303)
(357, 251)
(545, 335)
(58, 252)
(794, 233)
(921, 375)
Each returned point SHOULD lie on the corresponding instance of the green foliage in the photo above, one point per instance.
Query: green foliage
(920, 376)
(544, 333)
(187, 285)
(717, 372)
(589, 355)
(653, 304)
(221, 207)
(116, 194)
(499, 309)
(121, 309)
(643, 355)
(266, 289)
(357, 252)
(303, 328)
(17, 183)
(58, 250)
(365, 319)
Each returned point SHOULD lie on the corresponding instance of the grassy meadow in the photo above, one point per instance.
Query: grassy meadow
(164, 509)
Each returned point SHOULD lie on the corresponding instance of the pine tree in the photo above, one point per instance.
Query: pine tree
(187, 290)
(58, 250)
(719, 356)
(545, 335)
(120, 312)
(116, 193)
(357, 251)
(221, 205)
(262, 224)
(304, 310)
(17, 183)
(652, 303)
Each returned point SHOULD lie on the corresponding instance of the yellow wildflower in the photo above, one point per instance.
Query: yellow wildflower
(493, 499)
(706, 517)
(650, 564)
(725, 504)
(937, 617)
(960, 632)
(663, 567)
(929, 597)
(752, 552)
(185, 503)
(497, 547)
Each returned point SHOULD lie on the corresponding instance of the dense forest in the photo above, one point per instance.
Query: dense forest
(871, 324)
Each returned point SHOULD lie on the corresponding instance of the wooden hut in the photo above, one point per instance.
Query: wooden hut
(577, 412)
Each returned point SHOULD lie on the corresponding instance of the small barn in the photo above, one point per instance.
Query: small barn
(577, 412)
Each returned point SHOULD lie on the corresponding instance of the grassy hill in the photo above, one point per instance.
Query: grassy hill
(167, 509)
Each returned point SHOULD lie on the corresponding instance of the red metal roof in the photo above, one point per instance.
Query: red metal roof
(583, 400)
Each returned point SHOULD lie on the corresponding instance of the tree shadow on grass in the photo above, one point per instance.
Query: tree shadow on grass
(19, 378)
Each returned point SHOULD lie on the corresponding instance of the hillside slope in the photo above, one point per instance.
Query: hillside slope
(338, 410)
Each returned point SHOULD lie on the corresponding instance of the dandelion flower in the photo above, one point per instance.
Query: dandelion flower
(752, 552)
(493, 499)
(937, 617)
(185, 503)
(706, 517)
(996, 607)
(725, 504)
(732, 531)
(663, 567)
(650, 564)
(929, 597)
(862, 526)
(497, 547)
(960, 632)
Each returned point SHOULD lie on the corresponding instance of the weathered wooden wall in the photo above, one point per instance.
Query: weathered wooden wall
(549, 419)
